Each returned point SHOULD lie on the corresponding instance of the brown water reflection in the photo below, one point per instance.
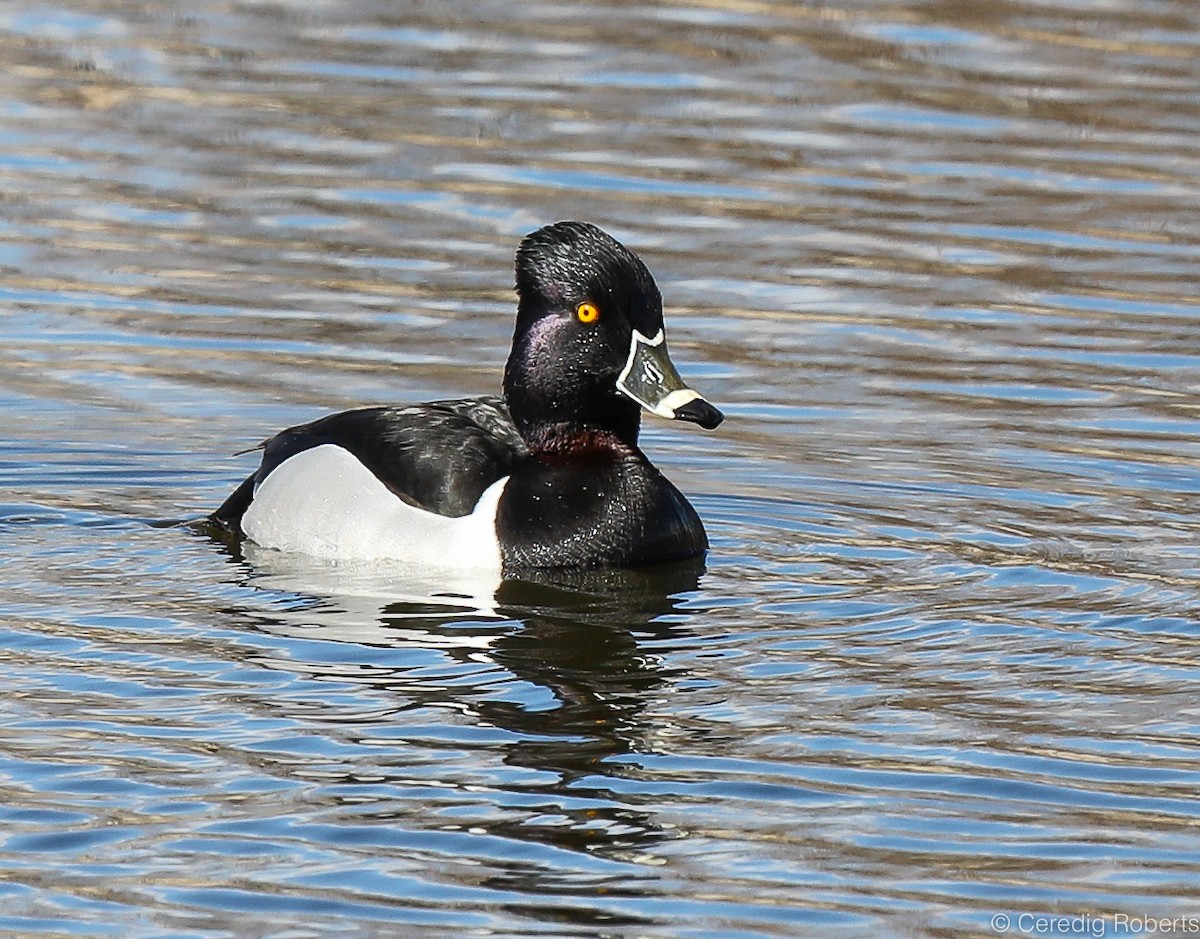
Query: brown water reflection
(935, 260)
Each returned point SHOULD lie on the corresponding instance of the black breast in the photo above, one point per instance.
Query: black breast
(594, 511)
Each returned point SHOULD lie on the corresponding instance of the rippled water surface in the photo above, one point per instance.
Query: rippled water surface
(936, 260)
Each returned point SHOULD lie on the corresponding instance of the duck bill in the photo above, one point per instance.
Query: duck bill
(650, 379)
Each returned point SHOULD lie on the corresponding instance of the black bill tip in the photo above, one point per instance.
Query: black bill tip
(699, 411)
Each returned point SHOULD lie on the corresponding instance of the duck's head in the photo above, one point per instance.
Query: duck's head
(589, 350)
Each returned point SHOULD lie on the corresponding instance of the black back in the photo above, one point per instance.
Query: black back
(439, 456)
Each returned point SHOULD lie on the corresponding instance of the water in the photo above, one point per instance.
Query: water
(936, 261)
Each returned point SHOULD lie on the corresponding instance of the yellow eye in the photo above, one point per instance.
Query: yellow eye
(587, 312)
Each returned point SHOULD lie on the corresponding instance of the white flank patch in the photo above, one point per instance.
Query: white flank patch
(323, 502)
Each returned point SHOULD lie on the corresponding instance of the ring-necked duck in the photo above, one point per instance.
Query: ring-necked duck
(548, 476)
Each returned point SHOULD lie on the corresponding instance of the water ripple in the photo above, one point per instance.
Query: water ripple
(936, 262)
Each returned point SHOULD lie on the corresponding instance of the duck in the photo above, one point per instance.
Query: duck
(547, 475)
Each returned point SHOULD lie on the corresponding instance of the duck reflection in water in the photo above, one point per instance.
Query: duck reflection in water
(570, 645)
